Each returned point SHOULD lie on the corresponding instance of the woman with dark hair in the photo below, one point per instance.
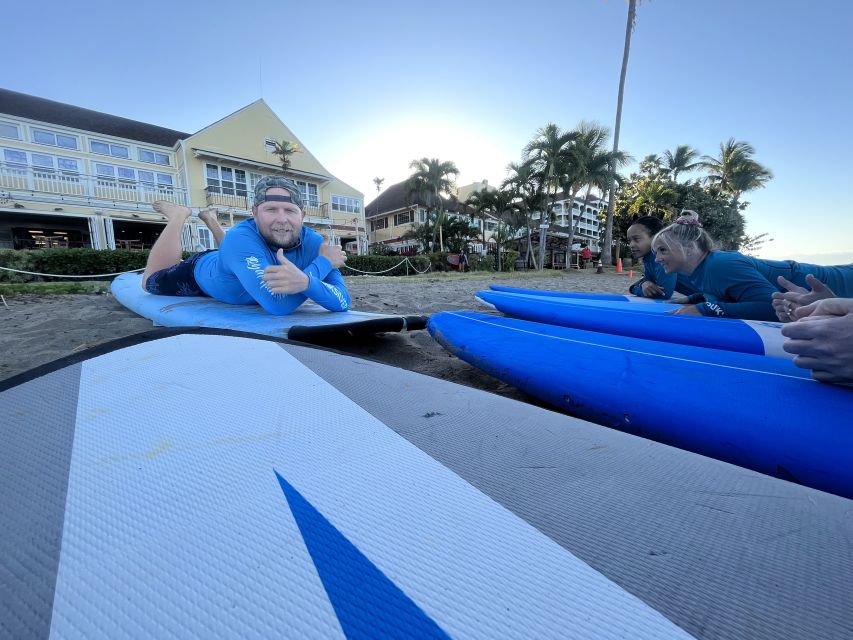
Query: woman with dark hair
(735, 285)
(655, 283)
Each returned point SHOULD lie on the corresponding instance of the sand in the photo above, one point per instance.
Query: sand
(38, 329)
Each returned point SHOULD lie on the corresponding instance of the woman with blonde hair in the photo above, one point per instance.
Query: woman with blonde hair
(735, 285)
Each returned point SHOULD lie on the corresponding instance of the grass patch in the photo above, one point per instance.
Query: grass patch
(54, 288)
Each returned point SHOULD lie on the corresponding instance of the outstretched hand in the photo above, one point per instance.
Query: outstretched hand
(822, 340)
(651, 290)
(285, 277)
(334, 254)
(686, 310)
(786, 303)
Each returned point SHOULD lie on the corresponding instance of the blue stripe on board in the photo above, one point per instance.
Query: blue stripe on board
(367, 603)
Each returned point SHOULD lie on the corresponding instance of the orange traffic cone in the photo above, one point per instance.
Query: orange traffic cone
(618, 265)
(631, 273)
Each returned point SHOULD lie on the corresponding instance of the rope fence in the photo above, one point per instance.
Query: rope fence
(403, 261)
(56, 275)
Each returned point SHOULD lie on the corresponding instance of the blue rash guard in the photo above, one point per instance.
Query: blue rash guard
(739, 286)
(669, 282)
(235, 273)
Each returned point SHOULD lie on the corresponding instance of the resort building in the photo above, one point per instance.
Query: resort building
(72, 177)
(394, 212)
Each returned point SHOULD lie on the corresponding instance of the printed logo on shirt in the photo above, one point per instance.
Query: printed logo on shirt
(715, 309)
(336, 292)
(253, 264)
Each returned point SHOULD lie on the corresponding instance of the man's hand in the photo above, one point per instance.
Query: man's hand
(686, 310)
(285, 277)
(651, 290)
(785, 303)
(334, 254)
(822, 340)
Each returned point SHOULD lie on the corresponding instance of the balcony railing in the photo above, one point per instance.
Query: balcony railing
(45, 185)
(315, 212)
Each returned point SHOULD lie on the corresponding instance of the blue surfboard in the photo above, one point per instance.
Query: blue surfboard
(208, 484)
(760, 413)
(310, 322)
(575, 295)
(746, 336)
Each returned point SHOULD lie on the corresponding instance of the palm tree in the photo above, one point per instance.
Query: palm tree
(378, 182)
(479, 204)
(683, 159)
(430, 179)
(651, 164)
(587, 148)
(629, 29)
(734, 171)
(503, 206)
(284, 150)
(549, 153)
(598, 175)
(654, 199)
(522, 182)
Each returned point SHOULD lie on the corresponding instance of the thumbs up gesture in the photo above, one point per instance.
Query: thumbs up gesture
(285, 277)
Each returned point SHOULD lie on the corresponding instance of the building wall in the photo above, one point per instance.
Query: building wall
(245, 134)
(88, 190)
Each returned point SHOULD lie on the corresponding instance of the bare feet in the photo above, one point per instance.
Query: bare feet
(171, 210)
(209, 216)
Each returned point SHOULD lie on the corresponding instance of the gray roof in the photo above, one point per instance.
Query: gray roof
(26, 106)
(397, 197)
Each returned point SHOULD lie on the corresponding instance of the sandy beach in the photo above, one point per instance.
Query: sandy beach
(36, 329)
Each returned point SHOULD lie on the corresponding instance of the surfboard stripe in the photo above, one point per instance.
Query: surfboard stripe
(345, 571)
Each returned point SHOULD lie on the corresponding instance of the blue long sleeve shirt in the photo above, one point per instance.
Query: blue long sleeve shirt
(235, 273)
(669, 282)
(739, 286)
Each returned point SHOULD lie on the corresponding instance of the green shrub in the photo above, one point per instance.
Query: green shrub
(62, 262)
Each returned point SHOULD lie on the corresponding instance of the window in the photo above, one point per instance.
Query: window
(422, 215)
(108, 174)
(309, 190)
(13, 156)
(69, 165)
(42, 161)
(45, 166)
(153, 157)
(403, 218)
(205, 237)
(379, 224)
(347, 205)
(108, 149)
(225, 180)
(54, 139)
(9, 130)
(269, 145)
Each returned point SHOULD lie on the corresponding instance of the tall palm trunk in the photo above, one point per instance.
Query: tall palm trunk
(608, 229)
(569, 250)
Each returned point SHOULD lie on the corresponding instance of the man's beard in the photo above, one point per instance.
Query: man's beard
(295, 241)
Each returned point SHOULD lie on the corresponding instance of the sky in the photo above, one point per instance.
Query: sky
(370, 86)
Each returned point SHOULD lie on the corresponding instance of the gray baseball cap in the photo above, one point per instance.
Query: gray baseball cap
(282, 183)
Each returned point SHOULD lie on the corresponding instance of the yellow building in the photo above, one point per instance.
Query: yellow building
(72, 177)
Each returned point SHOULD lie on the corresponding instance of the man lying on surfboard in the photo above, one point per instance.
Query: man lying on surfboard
(271, 259)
